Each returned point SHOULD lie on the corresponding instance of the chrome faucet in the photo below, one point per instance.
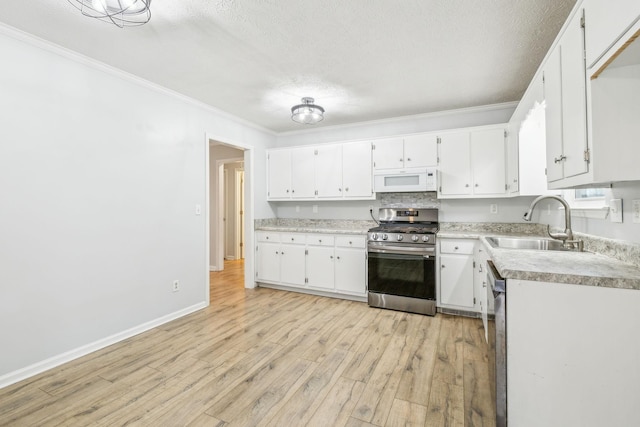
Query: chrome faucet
(567, 236)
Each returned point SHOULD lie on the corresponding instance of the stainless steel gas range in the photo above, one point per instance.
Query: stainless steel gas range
(402, 260)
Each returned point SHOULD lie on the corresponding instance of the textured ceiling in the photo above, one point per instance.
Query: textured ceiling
(360, 59)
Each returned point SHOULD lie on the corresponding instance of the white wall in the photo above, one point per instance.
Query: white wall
(100, 174)
(627, 230)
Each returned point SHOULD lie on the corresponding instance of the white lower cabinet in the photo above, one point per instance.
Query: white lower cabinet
(456, 274)
(280, 258)
(351, 265)
(320, 262)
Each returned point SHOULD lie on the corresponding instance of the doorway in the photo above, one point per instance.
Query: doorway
(238, 208)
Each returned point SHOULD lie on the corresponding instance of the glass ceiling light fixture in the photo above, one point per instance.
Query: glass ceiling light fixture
(122, 13)
(307, 113)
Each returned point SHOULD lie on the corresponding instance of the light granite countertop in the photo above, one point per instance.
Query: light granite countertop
(315, 226)
(579, 268)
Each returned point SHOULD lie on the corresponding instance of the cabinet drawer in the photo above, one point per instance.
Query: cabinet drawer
(293, 238)
(457, 246)
(320, 239)
(351, 242)
(268, 236)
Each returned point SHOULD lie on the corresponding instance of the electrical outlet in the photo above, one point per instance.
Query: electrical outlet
(493, 208)
(297, 208)
(315, 208)
(636, 211)
(176, 285)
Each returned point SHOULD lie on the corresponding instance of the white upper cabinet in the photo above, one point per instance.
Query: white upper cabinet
(357, 176)
(513, 179)
(330, 172)
(421, 150)
(473, 163)
(564, 79)
(388, 153)
(279, 174)
(488, 162)
(303, 173)
(607, 21)
(411, 151)
(455, 162)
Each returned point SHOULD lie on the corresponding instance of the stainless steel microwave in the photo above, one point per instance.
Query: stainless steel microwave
(405, 180)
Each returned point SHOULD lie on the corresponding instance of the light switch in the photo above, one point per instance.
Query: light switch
(615, 210)
(493, 208)
(198, 209)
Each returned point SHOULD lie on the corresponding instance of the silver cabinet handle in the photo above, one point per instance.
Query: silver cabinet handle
(560, 159)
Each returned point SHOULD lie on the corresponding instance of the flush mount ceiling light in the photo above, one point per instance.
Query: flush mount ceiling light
(122, 13)
(307, 113)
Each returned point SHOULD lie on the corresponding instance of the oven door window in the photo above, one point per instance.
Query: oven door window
(403, 275)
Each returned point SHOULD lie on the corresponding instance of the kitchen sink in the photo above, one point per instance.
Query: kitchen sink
(533, 243)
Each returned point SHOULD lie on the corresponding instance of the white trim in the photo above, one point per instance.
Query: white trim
(101, 66)
(479, 109)
(212, 268)
(52, 362)
(207, 220)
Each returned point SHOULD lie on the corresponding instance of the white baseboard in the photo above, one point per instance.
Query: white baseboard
(52, 362)
(213, 268)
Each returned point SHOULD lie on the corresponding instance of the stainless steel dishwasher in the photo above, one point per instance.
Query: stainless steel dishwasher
(496, 290)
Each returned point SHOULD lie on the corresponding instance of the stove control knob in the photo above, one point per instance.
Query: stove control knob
(414, 238)
(399, 237)
(425, 238)
(385, 237)
(374, 236)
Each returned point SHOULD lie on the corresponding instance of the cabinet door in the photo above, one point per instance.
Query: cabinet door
(279, 174)
(421, 151)
(606, 22)
(303, 173)
(328, 171)
(456, 280)
(357, 170)
(292, 258)
(320, 267)
(553, 115)
(513, 180)
(455, 160)
(488, 162)
(268, 262)
(574, 98)
(350, 271)
(388, 154)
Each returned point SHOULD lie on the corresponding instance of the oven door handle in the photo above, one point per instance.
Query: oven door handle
(427, 252)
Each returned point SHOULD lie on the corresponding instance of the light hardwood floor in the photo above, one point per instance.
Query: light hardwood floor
(272, 358)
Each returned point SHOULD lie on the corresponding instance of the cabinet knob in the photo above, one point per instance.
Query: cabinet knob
(401, 160)
(281, 253)
(337, 257)
(408, 159)
(466, 185)
(319, 240)
(331, 256)
(350, 242)
(476, 185)
(293, 191)
(267, 237)
(346, 189)
(456, 248)
(292, 239)
(277, 252)
(442, 266)
(340, 190)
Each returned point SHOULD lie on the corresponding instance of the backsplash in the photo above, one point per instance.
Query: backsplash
(409, 200)
(495, 227)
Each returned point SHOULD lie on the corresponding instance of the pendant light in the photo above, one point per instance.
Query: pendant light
(307, 113)
(121, 13)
